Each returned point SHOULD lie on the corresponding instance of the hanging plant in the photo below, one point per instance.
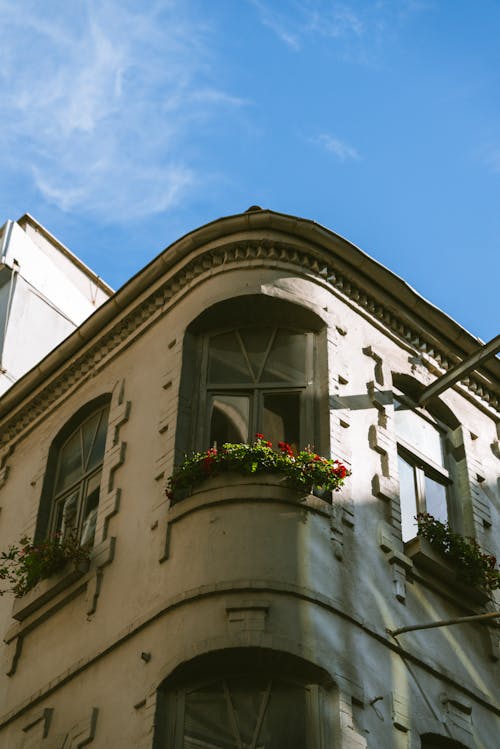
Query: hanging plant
(303, 470)
(474, 566)
(26, 563)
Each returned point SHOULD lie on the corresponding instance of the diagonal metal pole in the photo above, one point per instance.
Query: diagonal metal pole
(460, 370)
(444, 623)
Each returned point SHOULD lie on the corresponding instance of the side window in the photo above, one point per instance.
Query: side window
(257, 379)
(425, 484)
(70, 495)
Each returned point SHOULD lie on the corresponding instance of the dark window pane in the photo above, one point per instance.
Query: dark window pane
(229, 419)
(408, 499)
(226, 362)
(256, 342)
(287, 359)
(70, 462)
(285, 720)
(97, 453)
(89, 429)
(248, 696)
(281, 418)
(91, 503)
(66, 514)
(435, 499)
(207, 719)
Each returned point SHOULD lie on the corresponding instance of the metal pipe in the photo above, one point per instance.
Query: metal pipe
(458, 371)
(443, 623)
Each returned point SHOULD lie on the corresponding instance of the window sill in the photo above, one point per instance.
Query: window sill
(437, 573)
(46, 590)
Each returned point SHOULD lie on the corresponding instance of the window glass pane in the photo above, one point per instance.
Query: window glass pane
(226, 362)
(256, 342)
(89, 429)
(97, 453)
(435, 499)
(70, 462)
(408, 499)
(207, 719)
(287, 358)
(281, 418)
(285, 720)
(248, 696)
(66, 514)
(419, 433)
(229, 418)
(90, 509)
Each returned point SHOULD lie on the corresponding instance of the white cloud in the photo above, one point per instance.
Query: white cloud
(100, 98)
(341, 150)
(358, 28)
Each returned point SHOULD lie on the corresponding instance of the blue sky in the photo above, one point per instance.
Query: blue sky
(125, 124)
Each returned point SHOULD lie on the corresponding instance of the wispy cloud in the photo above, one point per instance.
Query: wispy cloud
(100, 98)
(339, 148)
(356, 26)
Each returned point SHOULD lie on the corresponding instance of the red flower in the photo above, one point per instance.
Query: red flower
(259, 436)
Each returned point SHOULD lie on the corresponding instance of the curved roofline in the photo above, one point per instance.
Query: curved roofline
(362, 265)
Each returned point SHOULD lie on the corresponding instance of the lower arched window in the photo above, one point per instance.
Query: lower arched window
(243, 707)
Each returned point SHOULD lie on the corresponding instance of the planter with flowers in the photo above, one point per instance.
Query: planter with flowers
(453, 559)
(304, 471)
(34, 573)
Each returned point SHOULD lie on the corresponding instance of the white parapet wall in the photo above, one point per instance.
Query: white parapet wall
(45, 293)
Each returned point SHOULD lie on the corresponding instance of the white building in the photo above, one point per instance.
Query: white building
(45, 294)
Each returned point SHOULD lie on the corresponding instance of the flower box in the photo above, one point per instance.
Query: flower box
(437, 570)
(48, 589)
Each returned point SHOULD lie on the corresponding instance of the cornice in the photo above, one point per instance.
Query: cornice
(373, 302)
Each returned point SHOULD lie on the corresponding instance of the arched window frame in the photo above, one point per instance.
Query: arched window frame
(252, 310)
(52, 496)
(221, 670)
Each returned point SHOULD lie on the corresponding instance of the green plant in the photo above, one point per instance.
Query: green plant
(303, 470)
(474, 565)
(25, 564)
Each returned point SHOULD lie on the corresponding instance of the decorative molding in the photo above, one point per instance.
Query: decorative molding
(457, 716)
(251, 251)
(80, 735)
(343, 508)
(37, 729)
(247, 616)
(110, 499)
(4, 465)
(400, 712)
(350, 738)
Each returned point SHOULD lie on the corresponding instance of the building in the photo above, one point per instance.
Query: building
(45, 294)
(247, 614)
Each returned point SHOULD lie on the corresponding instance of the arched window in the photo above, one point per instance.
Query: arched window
(226, 701)
(71, 491)
(251, 365)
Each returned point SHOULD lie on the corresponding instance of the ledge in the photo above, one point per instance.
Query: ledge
(436, 572)
(46, 590)
(235, 487)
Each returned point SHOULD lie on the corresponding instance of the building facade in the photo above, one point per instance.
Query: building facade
(247, 615)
